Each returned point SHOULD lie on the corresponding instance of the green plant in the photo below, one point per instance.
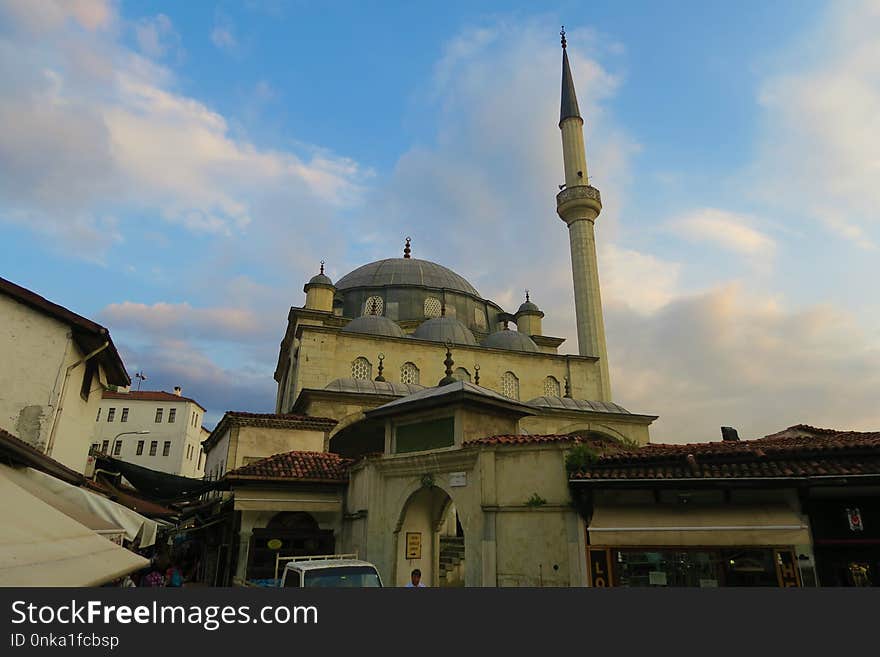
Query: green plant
(535, 500)
(579, 457)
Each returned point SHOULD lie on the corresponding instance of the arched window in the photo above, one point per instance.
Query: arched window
(409, 373)
(461, 374)
(510, 385)
(433, 307)
(361, 369)
(373, 306)
(551, 386)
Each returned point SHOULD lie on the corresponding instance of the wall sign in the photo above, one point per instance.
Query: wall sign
(457, 479)
(413, 545)
(854, 516)
(600, 567)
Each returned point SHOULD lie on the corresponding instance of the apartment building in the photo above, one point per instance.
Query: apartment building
(152, 428)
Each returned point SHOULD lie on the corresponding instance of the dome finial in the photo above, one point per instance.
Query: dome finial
(527, 296)
(322, 266)
(379, 377)
(406, 249)
(562, 34)
(476, 375)
(567, 387)
(449, 363)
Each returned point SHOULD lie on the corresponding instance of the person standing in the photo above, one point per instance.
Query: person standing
(415, 580)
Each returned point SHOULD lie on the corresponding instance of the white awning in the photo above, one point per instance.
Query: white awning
(42, 546)
(681, 525)
(131, 522)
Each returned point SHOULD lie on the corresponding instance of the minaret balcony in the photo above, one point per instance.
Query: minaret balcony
(578, 201)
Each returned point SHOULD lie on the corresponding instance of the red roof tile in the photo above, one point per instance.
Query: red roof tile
(296, 466)
(798, 451)
(523, 439)
(267, 420)
(149, 395)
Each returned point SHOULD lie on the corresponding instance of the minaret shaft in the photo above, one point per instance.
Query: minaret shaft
(579, 205)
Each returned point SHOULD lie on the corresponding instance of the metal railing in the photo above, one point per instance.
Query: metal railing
(316, 557)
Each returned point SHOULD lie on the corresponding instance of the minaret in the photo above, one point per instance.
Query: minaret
(578, 205)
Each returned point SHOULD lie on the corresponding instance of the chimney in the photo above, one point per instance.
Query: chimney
(178, 392)
(729, 434)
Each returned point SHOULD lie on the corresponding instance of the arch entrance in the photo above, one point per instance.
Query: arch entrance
(430, 537)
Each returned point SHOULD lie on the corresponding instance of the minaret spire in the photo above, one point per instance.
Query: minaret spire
(569, 106)
(579, 205)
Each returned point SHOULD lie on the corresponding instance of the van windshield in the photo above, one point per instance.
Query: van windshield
(342, 576)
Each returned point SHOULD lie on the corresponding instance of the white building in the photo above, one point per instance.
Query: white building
(54, 364)
(152, 428)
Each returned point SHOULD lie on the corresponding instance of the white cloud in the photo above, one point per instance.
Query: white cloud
(183, 321)
(50, 15)
(223, 33)
(156, 36)
(820, 146)
(728, 230)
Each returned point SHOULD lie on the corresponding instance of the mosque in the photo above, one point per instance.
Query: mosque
(449, 415)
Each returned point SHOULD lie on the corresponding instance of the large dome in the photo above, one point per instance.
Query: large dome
(405, 271)
(445, 329)
(374, 325)
(512, 340)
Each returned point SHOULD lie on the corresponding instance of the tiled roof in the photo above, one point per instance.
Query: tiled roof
(296, 466)
(269, 421)
(524, 439)
(798, 451)
(149, 395)
(87, 334)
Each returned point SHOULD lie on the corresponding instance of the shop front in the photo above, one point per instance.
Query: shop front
(846, 536)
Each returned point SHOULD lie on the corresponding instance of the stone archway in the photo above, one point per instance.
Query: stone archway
(430, 537)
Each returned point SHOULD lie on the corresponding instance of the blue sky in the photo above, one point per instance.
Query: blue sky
(177, 170)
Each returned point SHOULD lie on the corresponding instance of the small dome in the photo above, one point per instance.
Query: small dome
(445, 329)
(577, 404)
(512, 340)
(362, 386)
(406, 271)
(528, 306)
(374, 325)
(320, 279)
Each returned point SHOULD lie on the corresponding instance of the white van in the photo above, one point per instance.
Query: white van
(330, 571)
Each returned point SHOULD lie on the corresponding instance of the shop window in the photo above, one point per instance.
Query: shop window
(409, 373)
(551, 387)
(510, 385)
(361, 369)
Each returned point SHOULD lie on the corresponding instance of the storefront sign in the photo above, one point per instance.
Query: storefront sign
(457, 479)
(600, 568)
(787, 568)
(413, 545)
(657, 578)
(854, 516)
(274, 544)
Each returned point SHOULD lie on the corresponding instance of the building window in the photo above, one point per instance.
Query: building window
(158, 415)
(124, 416)
(510, 385)
(94, 448)
(104, 446)
(166, 448)
(480, 318)
(461, 374)
(551, 387)
(361, 369)
(172, 415)
(111, 414)
(140, 448)
(117, 448)
(98, 419)
(409, 373)
(433, 307)
(201, 453)
(154, 444)
(373, 306)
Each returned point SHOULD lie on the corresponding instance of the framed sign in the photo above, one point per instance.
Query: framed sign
(413, 545)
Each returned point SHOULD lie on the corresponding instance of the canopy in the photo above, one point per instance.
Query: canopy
(41, 546)
(74, 500)
(157, 484)
(682, 525)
